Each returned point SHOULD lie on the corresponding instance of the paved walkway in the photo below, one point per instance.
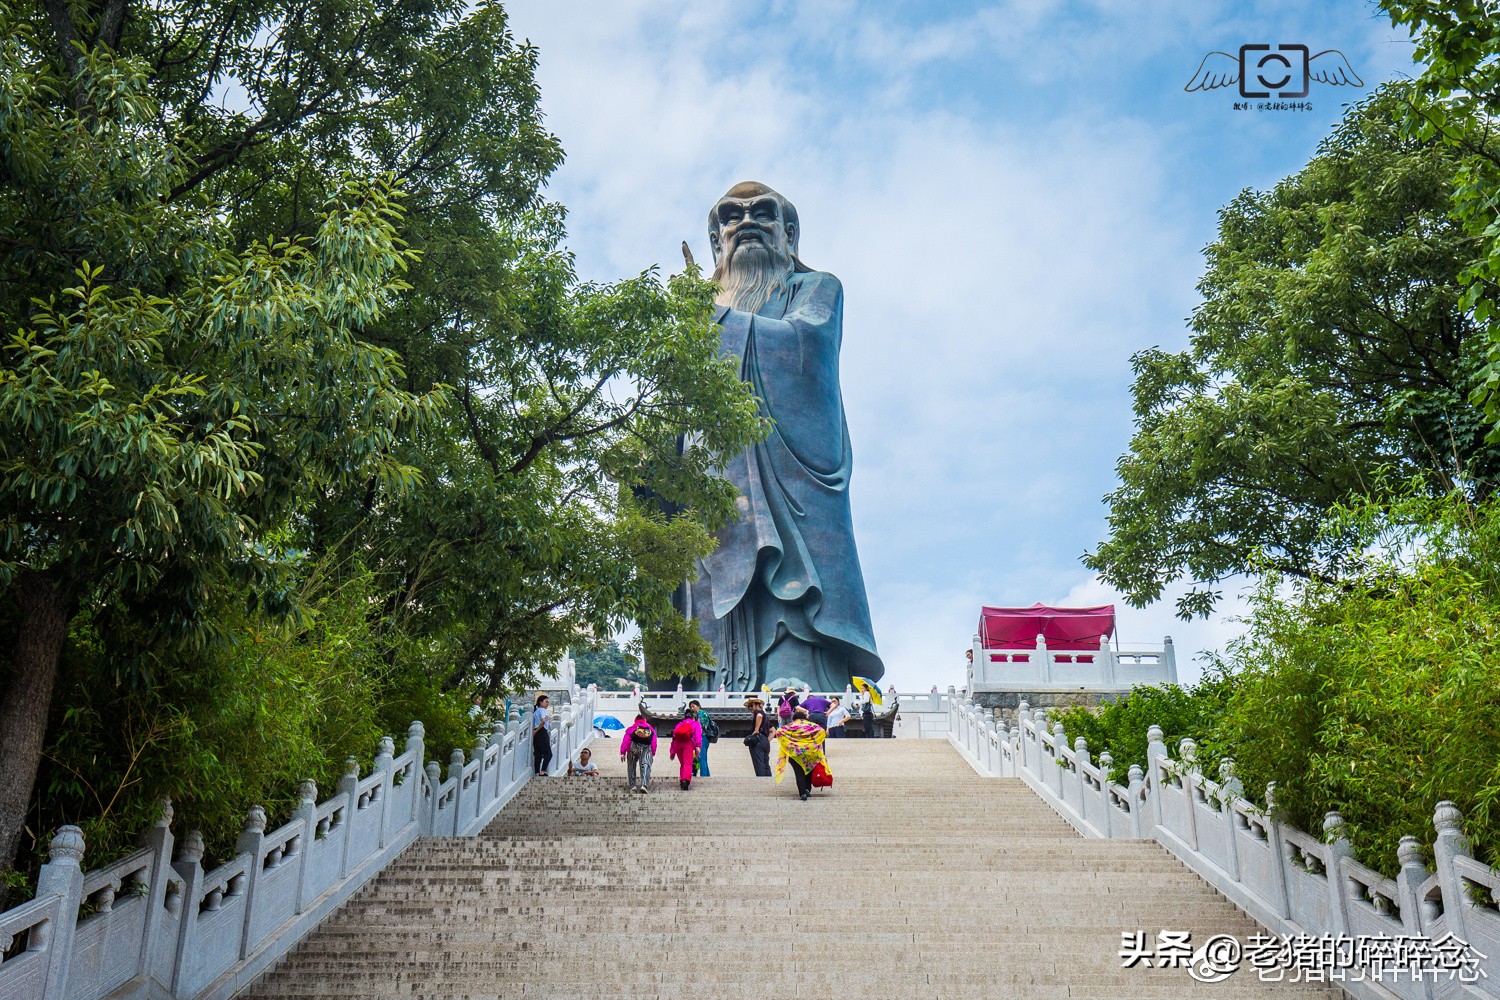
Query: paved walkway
(912, 877)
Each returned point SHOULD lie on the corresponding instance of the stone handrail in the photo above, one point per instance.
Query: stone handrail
(152, 926)
(628, 699)
(1291, 881)
(1110, 668)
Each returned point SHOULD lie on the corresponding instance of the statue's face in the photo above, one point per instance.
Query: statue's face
(751, 222)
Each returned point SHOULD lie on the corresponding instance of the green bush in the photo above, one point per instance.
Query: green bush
(271, 704)
(1381, 698)
(1120, 727)
(1375, 698)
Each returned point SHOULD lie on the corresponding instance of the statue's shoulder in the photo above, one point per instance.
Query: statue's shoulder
(817, 283)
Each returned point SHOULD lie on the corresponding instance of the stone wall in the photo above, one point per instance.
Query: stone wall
(1005, 706)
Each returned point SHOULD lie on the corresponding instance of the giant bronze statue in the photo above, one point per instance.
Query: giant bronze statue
(782, 599)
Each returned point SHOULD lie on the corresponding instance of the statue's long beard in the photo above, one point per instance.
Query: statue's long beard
(751, 274)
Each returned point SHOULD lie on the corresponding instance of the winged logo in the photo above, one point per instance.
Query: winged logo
(1258, 70)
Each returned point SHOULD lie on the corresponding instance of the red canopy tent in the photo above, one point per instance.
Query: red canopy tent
(1064, 628)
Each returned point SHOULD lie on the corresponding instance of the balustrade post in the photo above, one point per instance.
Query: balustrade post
(520, 755)
(252, 841)
(189, 865)
(1023, 716)
(1156, 752)
(1169, 659)
(1014, 768)
(1060, 762)
(1187, 754)
(434, 782)
(307, 814)
(349, 788)
(1283, 898)
(991, 747)
(480, 797)
(159, 840)
(416, 740)
(1137, 789)
(1338, 889)
(1080, 761)
(1451, 843)
(1044, 657)
(385, 766)
(62, 875)
(1409, 884)
(456, 775)
(1106, 661)
(1230, 788)
(1106, 762)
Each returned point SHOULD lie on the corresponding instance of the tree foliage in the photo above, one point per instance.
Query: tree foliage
(1457, 101)
(606, 665)
(1332, 342)
(287, 320)
(1377, 698)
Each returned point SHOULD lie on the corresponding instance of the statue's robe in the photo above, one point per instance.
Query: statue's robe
(782, 598)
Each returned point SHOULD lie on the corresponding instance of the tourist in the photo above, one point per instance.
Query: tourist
(637, 750)
(759, 740)
(687, 737)
(710, 734)
(788, 705)
(837, 716)
(802, 746)
(584, 766)
(868, 713)
(817, 709)
(541, 740)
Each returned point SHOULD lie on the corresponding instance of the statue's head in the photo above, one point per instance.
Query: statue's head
(754, 234)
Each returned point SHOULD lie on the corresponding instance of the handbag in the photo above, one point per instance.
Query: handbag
(820, 777)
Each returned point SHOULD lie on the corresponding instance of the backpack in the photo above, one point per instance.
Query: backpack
(711, 730)
(640, 736)
(820, 777)
(683, 731)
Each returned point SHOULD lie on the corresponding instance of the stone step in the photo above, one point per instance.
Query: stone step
(913, 877)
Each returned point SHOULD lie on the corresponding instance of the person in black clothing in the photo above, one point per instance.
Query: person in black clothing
(868, 714)
(759, 740)
(541, 741)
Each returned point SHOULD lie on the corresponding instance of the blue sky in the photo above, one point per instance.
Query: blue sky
(1015, 196)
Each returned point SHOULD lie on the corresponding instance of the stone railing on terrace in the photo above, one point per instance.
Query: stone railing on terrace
(151, 926)
(1110, 668)
(1291, 881)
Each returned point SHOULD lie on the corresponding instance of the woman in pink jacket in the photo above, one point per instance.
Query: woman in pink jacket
(637, 748)
(687, 737)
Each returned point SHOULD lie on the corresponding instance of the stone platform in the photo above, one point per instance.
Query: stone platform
(912, 877)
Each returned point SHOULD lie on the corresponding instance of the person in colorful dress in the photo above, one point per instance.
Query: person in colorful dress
(802, 746)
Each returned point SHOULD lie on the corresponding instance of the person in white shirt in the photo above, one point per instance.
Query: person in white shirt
(584, 766)
(541, 740)
(837, 716)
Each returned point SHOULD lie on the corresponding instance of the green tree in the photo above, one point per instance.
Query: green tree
(607, 665)
(1457, 101)
(153, 373)
(1331, 343)
(227, 361)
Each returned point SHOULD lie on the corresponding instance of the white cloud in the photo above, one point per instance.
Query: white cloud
(1000, 264)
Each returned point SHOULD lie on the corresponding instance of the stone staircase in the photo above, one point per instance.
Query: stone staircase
(912, 877)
